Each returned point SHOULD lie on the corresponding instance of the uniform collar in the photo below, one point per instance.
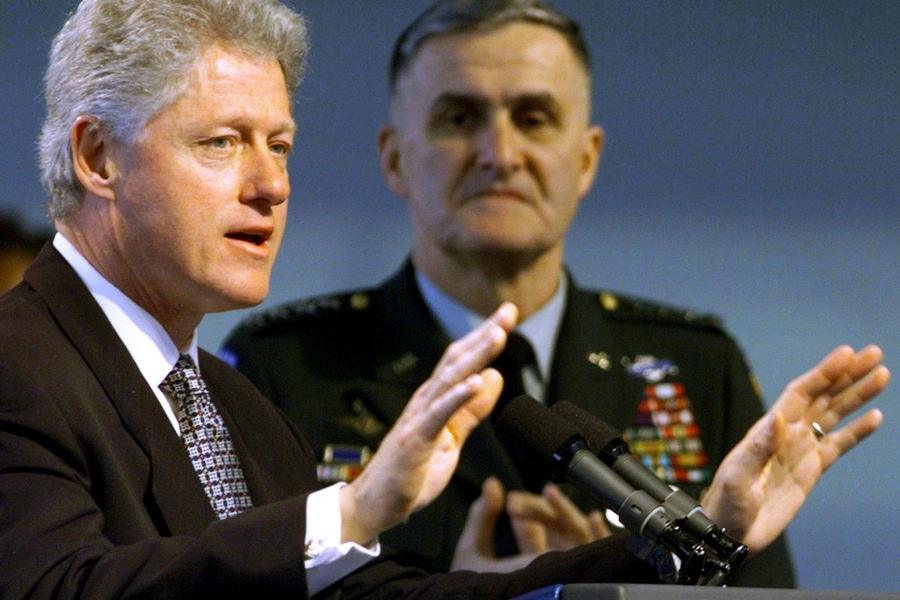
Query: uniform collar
(540, 329)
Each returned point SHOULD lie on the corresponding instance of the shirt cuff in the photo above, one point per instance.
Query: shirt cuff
(327, 559)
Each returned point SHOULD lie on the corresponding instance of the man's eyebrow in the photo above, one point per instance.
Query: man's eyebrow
(545, 99)
(243, 122)
(456, 99)
(289, 126)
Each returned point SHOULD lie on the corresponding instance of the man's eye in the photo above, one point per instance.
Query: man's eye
(533, 119)
(459, 119)
(454, 120)
(281, 148)
(222, 143)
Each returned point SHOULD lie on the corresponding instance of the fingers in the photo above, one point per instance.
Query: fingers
(471, 407)
(478, 533)
(863, 378)
(531, 536)
(840, 369)
(865, 388)
(866, 359)
(461, 375)
(839, 442)
(561, 521)
(821, 378)
(766, 478)
(550, 505)
(419, 454)
(570, 517)
(598, 525)
(491, 505)
(529, 514)
(475, 350)
(475, 549)
(841, 383)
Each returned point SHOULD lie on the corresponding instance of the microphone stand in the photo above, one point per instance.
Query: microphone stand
(710, 559)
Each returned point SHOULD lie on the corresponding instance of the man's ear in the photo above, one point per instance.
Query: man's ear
(389, 157)
(92, 157)
(590, 157)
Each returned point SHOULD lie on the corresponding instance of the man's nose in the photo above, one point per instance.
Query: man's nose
(265, 176)
(500, 146)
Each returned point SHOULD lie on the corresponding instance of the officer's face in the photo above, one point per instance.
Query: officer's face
(490, 142)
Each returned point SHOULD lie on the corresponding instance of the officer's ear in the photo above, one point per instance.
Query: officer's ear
(590, 157)
(390, 160)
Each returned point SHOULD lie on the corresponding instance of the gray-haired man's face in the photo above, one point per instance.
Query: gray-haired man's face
(490, 141)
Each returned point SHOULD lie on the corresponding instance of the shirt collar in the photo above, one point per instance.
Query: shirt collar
(540, 329)
(148, 343)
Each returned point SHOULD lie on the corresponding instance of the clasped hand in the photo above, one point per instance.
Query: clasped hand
(549, 521)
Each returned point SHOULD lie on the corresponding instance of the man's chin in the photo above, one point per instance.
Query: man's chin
(507, 248)
(237, 300)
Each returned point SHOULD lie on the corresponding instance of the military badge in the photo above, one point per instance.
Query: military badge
(666, 438)
(649, 368)
(362, 421)
(342, 463)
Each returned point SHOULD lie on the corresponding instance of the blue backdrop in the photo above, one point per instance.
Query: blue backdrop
(751, 169)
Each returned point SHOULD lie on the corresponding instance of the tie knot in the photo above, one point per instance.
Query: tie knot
(517, 353)
(183, 380)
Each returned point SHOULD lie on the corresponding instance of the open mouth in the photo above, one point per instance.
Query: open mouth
(257, 239)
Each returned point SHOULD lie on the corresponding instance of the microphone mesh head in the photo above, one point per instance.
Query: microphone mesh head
(597, 433)
(531, 432)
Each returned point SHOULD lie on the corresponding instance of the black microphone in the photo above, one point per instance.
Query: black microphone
(608, 444)
(537, 436)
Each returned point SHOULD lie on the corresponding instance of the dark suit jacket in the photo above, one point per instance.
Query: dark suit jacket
(98, 498)
(344, 366)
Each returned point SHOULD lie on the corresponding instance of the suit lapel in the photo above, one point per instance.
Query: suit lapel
(175, 488)
(175, 484)
(262, 440)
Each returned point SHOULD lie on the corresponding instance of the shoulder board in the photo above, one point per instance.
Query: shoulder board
(318, 307)
(629, 308)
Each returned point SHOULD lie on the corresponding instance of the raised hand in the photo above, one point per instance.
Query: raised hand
(766, 478)
(416, 459)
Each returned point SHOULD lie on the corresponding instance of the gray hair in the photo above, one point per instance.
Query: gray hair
(457, 16)
(125, 61)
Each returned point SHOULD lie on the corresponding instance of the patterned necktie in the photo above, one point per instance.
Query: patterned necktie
(207, 440)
